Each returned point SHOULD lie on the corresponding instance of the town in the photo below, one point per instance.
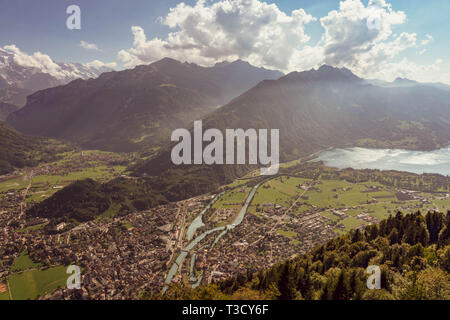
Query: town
(191, 242)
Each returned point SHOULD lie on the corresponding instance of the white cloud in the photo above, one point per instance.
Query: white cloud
(226, 30)
(97, 64)
(428, 39)
(405, 68)
(89, 46)
(37, 60)
(349, 39)
(252, 30)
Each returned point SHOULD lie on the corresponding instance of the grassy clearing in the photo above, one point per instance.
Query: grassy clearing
(335, 194)
(238, 183)
(351, 223)
(34, 283)
(286, 233)
(24, 262)
(98, 172)
(232, 199)
(32, 228)
(127, 225)
(111, 212)
(13, 184)
(280, 191)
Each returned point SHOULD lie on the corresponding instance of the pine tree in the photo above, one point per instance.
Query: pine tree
(342, 289)
(393, 236)
(286, 284)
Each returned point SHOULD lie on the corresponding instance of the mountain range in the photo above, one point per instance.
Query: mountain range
(404, 82)
(331, 107)
(314, 110)
(137, 109)
(134, 110)
(20, 77)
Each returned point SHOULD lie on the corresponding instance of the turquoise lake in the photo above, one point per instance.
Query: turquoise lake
(436, 161)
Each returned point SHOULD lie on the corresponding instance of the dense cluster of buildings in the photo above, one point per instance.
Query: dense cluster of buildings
(124, 256)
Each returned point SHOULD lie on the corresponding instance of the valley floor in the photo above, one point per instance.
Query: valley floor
(122, 257)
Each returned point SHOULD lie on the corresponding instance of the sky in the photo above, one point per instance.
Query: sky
(382, 39)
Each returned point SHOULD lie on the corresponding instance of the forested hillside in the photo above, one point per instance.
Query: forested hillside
(18, 151)
(84, 200)
(412, 251)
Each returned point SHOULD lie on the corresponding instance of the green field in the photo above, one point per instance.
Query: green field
(34, 283)
(351, 223)
(281, 191)
(340, 193)
(111, 212)
(286, 233)
(44, 186)
(238, 183)
(232, 199)
(352, 198)
(32, 228)
(13, 184)
(98, 172)
(24, 262)
(71, 167)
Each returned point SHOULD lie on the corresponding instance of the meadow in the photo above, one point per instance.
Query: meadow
(24, 262)
(34, 283)
(325, 195)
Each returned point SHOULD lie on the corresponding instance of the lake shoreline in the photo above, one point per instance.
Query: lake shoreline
(402, 160)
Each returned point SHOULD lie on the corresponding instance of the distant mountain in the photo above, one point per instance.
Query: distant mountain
(331, 107)
(403, 82)
(19, 79)
(135, 109)
(239, 76)
(6, 109)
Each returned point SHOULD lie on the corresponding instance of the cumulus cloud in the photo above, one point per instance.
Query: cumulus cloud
(89, 46)
(372, 50)
(37, 60)
(97, 64)
(226, 30)
(350, 40)
(361, 37)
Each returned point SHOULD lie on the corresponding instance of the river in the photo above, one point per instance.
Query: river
(196, 223)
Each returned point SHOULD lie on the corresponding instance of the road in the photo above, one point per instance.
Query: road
(24, 194)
